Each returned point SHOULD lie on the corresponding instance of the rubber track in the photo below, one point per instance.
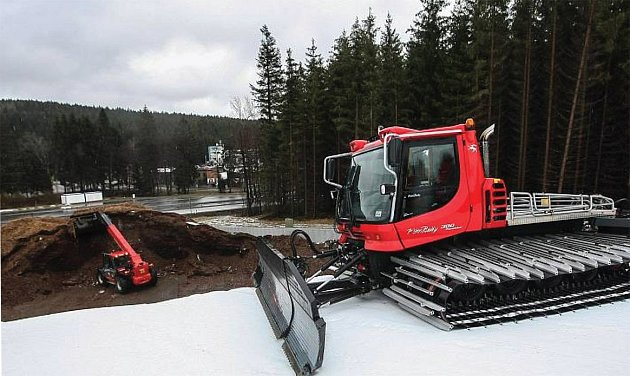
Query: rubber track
(535, 259)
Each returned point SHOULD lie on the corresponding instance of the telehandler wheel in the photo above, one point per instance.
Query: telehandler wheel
(154, 278)
(122, 285)
(100, 279)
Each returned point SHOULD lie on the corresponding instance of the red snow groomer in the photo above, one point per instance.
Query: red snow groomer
(124, 268)
(419, 219)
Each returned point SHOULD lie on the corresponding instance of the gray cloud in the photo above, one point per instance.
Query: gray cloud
(184, 56)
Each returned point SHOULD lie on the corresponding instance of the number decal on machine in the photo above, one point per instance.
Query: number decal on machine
(450, 227)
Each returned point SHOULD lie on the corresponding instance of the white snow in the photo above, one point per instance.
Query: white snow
(318, 232)
(235, 221)
(227, 333)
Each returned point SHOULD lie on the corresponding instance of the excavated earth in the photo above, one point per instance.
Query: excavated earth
(45, 269)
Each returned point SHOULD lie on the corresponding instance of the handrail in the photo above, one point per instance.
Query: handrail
(525, 204)
(386, 140)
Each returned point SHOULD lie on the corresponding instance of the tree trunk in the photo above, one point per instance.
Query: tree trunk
(522, 165)
(305, 175)
(552, 71)
(498, 143)
(356, 117)
(314, 171)
(491, 71)
(580, 152)
(396, 106)
(582, 65)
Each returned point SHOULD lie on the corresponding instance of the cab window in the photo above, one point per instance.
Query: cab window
(431, 176)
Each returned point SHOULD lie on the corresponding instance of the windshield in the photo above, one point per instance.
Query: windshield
(361, 197)
(122, 261)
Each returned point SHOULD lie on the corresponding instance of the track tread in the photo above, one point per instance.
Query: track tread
(536, 259)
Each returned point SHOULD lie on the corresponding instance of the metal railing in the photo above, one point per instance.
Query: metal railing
(525, 205)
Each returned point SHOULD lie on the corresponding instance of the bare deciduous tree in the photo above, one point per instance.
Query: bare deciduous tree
(244, 109)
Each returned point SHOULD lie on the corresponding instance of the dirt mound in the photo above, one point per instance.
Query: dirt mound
(46, 269)
(21, 230)
(44, 266)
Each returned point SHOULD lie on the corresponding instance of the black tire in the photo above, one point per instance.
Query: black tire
(154, 278)
(122, 285)
(100, 279)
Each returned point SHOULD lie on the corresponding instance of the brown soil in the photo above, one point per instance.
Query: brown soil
(45, 269)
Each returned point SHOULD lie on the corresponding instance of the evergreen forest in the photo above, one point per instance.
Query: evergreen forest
(119, 151)
(553, 76)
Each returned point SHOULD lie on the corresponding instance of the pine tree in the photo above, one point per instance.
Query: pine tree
(317, 139)
(147, 155)
(460, 80)
(522, 26)
(267, 91)
(367, 50)
(109, 153)
(425, 65)
(575, 94)
(491, 74)
(340, 85)
(267, 94)
(184, 162)
(551, 92)
(11, 173)
(608, 162)
(290, 121)
(390, 75)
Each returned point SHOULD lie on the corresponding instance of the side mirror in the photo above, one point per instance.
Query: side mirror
(394, 150)
(334, 193)
(331, 169)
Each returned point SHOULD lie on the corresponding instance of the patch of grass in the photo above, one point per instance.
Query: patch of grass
(18, 201)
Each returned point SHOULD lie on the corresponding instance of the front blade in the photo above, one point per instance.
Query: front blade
(291, 309)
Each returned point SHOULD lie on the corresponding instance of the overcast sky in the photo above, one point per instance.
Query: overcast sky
(174, 56)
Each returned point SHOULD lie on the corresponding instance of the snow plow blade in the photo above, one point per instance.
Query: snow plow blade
(291, 308)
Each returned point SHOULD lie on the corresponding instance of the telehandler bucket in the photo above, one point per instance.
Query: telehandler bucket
(291, 308)
(85, 224)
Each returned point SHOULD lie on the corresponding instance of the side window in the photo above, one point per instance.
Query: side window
(431, 177)
(107, 261)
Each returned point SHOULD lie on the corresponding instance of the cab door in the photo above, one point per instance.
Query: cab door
(434, 202)
(108, 268)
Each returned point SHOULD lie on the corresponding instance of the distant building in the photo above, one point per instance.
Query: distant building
(216, 154)
(208, 175)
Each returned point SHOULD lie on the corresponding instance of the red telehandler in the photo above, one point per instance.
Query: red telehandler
(124, 268)
(419, 219)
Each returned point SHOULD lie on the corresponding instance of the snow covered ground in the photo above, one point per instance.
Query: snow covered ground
(318, 232)
(226, 333)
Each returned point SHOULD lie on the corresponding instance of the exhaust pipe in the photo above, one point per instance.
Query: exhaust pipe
(484, 146)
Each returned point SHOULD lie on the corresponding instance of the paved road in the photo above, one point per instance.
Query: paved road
(181, 204)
